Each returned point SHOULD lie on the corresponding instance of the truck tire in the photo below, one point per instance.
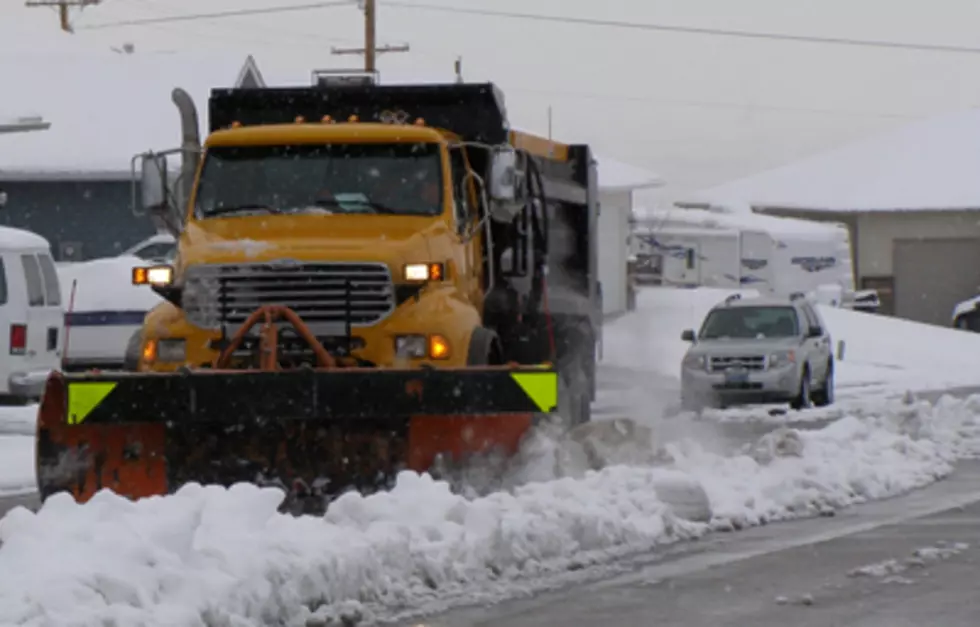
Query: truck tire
(131, 359)
(484, 348)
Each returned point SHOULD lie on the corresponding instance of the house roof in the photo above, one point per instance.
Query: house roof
(619, 176)
(733, 221)
(931, 165)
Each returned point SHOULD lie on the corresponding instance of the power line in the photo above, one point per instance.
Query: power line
(582, 21)
(690, 30)
(218, 14)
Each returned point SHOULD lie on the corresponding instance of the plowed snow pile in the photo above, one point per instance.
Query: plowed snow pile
(225, 557)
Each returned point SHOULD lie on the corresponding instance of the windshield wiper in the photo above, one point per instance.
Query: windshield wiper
(216, 211)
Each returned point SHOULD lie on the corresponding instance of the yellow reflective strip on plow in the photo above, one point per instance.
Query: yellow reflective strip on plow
(83, 397)
(540, 387)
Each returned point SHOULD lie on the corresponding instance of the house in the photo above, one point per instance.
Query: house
(911, 200)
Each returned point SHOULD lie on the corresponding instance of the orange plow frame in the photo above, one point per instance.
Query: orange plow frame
(149, 433)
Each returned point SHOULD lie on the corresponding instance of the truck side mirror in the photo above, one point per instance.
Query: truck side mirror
(503, 175)
(153, 183)
(506, 185)
(687, 335)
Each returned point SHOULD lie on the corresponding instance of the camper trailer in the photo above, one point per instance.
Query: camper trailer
(690, 247)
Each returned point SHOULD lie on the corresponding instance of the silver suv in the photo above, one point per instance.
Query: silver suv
(759, 350)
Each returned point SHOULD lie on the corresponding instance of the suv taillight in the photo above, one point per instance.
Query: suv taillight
(18, 339)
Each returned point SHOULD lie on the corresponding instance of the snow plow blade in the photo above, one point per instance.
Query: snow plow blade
(312, 433)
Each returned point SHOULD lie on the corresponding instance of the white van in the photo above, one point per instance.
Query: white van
(31, 315)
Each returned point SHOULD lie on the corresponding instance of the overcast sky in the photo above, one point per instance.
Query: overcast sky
(698, 109)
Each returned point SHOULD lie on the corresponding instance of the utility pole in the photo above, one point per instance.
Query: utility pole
(371, 50)
(63, 6)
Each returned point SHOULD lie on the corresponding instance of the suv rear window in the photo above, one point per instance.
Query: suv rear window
(52, 288)
(35, 285)
(751, 322)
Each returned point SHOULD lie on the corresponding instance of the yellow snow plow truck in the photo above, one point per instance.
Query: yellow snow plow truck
(369, 278)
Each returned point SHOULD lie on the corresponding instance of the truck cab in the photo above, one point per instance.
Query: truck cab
(419, 239)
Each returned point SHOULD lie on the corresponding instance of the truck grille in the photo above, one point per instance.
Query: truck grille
(325, 295)
(753, 362)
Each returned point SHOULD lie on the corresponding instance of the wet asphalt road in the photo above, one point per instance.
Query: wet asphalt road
(796, 573)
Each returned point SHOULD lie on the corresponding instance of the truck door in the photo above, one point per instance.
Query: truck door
(469, 257)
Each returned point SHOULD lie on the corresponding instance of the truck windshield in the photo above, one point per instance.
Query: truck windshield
(750, 322)
(372, 178)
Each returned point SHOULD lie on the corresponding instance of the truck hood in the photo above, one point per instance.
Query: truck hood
(391, 239)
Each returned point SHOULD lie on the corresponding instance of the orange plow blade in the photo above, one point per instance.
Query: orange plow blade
(312, 433)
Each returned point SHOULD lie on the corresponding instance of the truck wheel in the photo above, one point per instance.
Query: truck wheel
(131, 359)
(484, 349)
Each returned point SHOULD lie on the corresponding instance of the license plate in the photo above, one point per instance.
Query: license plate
(736, 376)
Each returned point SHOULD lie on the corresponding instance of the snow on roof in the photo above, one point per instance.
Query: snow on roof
(930, 165)
(618, 176)
(704, 219)
(11, 237)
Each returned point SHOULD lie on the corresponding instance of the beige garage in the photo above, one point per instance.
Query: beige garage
(911, 200)
(932, 275)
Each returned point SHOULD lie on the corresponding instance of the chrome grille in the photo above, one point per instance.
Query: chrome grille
(752, 362)
(327, 296)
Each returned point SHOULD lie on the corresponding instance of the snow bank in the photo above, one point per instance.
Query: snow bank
(17, 428)
(106, 285)
(16, 464)
(216, 556)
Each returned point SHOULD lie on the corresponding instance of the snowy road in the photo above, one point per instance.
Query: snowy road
(907, 561)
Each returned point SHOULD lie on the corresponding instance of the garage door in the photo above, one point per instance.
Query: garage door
(932, 275)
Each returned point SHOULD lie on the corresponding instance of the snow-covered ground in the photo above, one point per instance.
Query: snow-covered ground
(210, 556)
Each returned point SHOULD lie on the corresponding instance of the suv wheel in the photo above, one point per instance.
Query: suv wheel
(803, 398)
(825, 395)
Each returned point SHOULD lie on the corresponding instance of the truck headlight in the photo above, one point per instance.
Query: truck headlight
(782, 358)
(153, 275)
(420, 346)
(413, 346)
(694, 362)
(418, 272)
(170, 350)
